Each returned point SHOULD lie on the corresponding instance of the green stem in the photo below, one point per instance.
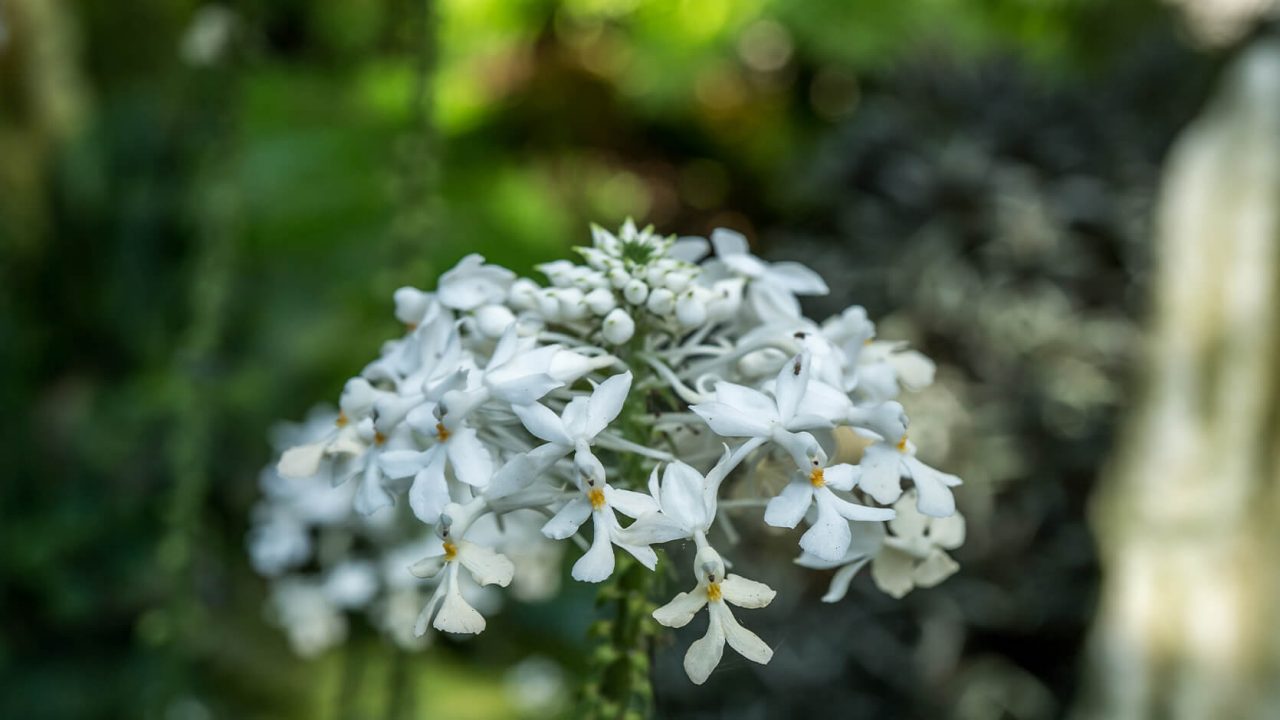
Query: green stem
(618, 684)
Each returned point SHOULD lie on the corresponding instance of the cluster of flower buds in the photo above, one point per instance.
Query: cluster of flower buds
(629, 391)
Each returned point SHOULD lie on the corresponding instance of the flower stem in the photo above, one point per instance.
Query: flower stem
(618, 684)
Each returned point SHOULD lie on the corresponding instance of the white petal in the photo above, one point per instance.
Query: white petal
(427, 567)
(469, 458)
(652, 529)
(793, 380)
(524, 389)
(596, 565)
(704, 654)
(372, 496)
(915, 371)
(840, 581)
(742, 592)
(909, 522)
(891, 569)
(568, 520)
(403, 463)
(682, 496)
(629, 502)
(606, 402)
(542, 422)
(796, 278)
(748, 644)
(842, 477)
(881, 473)
(424, 617)
(728, 242)
(430, 493)
(747, 401)
(456, 616)
(642, 553)
(935, 498)
(731, 422)
(947, 532)
(301, 462)
(681, 609)
(772, 303)
(689, 249)
(486, 566)
(790, 505)
(829, 536)
(937, 567)
(854, 511)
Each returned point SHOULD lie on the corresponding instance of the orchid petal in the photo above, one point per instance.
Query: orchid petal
(790, 505)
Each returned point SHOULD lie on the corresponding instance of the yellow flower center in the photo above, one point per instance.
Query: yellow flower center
(342, 420)
(442, 432)
(379, 438)
(596, 496)
(713, 591)
(902, 444)
(816, 478)
(450, 551)
(411, 326)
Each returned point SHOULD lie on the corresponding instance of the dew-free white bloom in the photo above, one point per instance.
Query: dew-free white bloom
(630, 389)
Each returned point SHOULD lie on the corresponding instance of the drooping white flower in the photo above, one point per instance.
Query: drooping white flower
(716, 592)
(915, 554)
(866, 541)
(599, 501)
(885, 463)
(450, 610)
(828, 537)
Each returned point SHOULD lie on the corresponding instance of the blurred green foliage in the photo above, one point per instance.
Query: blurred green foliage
(205, 208)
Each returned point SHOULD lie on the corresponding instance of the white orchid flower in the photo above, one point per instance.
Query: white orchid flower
(828, 537)
(599, 501)
(772, 287)
(867, 539)
(342, 439)
(472, 284)
(451, 612)
(576, 428)
(458, 449)
(915, 554)
(885, 463)
(740, 411)
(717, 591)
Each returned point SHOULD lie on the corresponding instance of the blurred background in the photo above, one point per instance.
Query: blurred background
(205, 208)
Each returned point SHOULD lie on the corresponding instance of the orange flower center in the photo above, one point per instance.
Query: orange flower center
(713, 591)
(342, 420)
(902, 444)
(379, 438)
(816, 478)
(596, 496)
(442, 432)
(450, 551)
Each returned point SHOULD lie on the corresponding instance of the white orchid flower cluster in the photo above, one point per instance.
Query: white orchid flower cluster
(626, 392)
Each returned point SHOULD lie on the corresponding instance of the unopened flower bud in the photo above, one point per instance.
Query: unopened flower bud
(411, 305)
(618, 327)
(601, 301)
(677, 281)
(523, 294)
(549, 304)
(635, 292)
(619, 278)
(661, 301)
(691, 309)
(572, 306)
(493, 320)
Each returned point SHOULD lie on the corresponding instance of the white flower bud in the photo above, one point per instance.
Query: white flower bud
(656, 275)
(601, 301)
(618, 327)
(411, 305)
(691, 308)
(493, 320)
(635, 292)
(523, 294)
(619, 278)
(726, 299)
(678, 280)
(572, 306)
(661, 301)
(549, 304)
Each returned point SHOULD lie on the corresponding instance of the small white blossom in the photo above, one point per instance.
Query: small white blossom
(914, 555)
